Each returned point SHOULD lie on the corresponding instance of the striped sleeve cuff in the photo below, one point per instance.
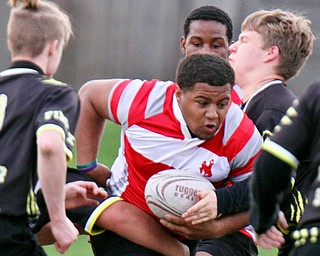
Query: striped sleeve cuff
(90, 226)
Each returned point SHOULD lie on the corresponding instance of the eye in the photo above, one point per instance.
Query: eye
(218, 43)
(216, 46)
(223, 105)
(243, 40)
(196, 44)
(203, 104)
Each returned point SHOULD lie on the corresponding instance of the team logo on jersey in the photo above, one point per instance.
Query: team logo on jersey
(57, 115)
(205, 168)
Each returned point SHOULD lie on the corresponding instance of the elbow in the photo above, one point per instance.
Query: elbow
(49, 143)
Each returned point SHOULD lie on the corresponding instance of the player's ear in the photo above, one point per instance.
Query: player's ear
(9, 44)
(183, 45)
(53, 47)
(272, 53)
(178, 93)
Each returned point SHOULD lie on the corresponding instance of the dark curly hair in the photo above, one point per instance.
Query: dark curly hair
(203, 68)
(209, 12)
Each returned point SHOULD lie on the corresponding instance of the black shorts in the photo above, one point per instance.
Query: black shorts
(17, 239)
(78, 215)
(111, 244)
(235, 244)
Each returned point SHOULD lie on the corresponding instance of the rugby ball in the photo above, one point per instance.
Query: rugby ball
(174, 191)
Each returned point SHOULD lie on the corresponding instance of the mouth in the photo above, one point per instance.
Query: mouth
(210, 128)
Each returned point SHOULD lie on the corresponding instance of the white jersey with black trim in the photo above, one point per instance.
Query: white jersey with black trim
(155, 137)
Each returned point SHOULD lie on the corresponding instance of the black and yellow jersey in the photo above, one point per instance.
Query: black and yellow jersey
(30, 103)
(296, 138)
(268, 106)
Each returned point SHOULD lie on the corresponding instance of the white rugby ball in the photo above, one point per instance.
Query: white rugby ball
(174, 191)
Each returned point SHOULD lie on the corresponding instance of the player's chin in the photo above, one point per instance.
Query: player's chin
(206, 134)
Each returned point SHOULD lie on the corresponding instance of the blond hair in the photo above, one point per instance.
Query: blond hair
(289, 32)
(34, 23)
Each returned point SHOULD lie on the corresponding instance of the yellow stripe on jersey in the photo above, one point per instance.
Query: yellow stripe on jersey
(57, 128)
(266, 134)
(53, 82)
(32, 207)
(90, 225)
(281, 153)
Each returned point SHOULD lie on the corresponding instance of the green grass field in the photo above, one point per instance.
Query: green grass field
(82, 248)
(108, 151)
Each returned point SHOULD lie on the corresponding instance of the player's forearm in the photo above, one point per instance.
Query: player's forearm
(89, 130)
(211, 229)
(234, 198)
(52, 173)
(229, 224)
(139, 227)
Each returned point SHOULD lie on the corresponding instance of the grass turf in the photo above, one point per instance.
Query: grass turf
(82, 248)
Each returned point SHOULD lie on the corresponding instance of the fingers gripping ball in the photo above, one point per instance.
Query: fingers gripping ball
(174, 191)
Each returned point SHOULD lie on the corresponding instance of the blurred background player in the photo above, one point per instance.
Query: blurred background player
(38, 118)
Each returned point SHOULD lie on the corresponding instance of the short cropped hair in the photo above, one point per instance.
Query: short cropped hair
(289, 32)
(209, 12)
(203, 68)
(34, 23)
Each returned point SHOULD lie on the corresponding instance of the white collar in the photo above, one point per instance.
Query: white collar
(18, 71)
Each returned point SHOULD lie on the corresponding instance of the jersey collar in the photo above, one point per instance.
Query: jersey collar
(265, 86)
(22, 67)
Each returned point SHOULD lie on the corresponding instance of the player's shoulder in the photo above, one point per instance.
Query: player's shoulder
(312, 91)
(235, 114)
(131, 87)
(239, 126)
(152, 82)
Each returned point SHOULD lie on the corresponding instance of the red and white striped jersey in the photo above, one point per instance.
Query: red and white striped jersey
(155, 137)
(236, 94)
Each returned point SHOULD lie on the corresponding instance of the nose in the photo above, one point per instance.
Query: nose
(212, 112)
(207, 49)
(233, 47)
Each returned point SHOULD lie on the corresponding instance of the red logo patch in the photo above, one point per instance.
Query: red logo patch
(205, 168)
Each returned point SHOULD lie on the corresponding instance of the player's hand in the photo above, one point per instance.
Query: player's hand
(204, 210)
(273, 237)
(65, 234)
(190, 231)
(270, 239)
(81, 193)
(100, 174)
